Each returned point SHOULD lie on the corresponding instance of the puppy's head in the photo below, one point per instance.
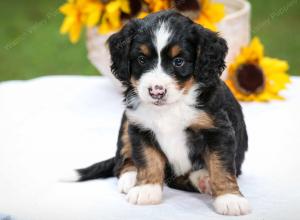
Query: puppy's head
(165, 57)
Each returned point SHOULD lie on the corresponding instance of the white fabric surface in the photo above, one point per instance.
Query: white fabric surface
(53, 124)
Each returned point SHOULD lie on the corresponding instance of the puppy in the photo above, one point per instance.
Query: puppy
(181, 125)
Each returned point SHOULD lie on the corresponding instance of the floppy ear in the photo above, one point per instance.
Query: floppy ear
(211, 53)
(119, 47)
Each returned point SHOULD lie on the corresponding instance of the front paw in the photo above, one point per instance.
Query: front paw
(148, 194)
(231, 204)
(127, 181)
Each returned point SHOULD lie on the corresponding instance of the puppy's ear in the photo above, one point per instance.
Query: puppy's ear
(211, 53)
(119, 47)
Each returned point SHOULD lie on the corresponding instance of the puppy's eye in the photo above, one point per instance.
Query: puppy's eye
(178, 62)
(141, 60)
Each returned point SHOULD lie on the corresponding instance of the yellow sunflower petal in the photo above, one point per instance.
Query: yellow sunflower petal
(142, 14)
(93, 12)
(75, 32)
(205, 22)
(113, 6)
(77, 13)
(93, 19)
(67, 8)
(114, 21)
(104, 27)
(112, 16)
(215, 12)
(210, 14)
(255, 51)
(275, 71)
(271, 65)
(67, 24)
(125, 7)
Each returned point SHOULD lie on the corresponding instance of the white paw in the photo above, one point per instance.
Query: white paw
(127, 181)
(148, 194)
(230, 204)
(200, 179)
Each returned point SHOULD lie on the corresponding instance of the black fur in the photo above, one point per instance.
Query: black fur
(121, 43)
(102, 169)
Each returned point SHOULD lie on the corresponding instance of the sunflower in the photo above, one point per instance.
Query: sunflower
(79, 13)
(111, 19)
(254, 77)
(210, 14)
(110, 14)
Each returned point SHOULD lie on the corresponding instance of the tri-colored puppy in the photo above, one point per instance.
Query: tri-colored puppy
(181, 126)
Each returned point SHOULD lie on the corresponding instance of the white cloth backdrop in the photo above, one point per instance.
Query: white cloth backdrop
(53, 124)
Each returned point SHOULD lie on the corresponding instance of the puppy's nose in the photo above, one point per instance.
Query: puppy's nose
(157, 92)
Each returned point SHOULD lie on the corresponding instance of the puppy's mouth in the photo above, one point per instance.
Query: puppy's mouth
(160, 102)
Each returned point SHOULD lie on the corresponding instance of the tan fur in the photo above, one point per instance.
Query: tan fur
(134, 82)
(127, 167)
(145, 49)
(203, 121)
(221, 181)
(126, 152)
(175, 51)
(153, 172)
(188, 85)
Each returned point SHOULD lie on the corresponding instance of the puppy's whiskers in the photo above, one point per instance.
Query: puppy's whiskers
(131, 100)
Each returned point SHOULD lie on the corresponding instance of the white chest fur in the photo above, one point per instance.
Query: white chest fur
(169, 124)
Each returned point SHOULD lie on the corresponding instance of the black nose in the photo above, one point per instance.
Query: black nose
(157, 92)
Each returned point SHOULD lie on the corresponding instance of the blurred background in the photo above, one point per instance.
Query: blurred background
(31, 45)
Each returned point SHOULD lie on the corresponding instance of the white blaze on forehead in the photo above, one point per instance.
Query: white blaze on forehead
(157, 75)
(162, 35)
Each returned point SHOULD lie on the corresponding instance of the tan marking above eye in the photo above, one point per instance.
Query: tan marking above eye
(145, 49)
(175, 51)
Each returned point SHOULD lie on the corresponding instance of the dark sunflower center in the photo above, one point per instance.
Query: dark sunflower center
(250, 78)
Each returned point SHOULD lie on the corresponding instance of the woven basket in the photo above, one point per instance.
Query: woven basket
(235, 28)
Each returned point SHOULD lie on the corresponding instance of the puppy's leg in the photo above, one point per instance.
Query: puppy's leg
(225, 190)
(150, 179)
(125, 168)
(127, 171)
